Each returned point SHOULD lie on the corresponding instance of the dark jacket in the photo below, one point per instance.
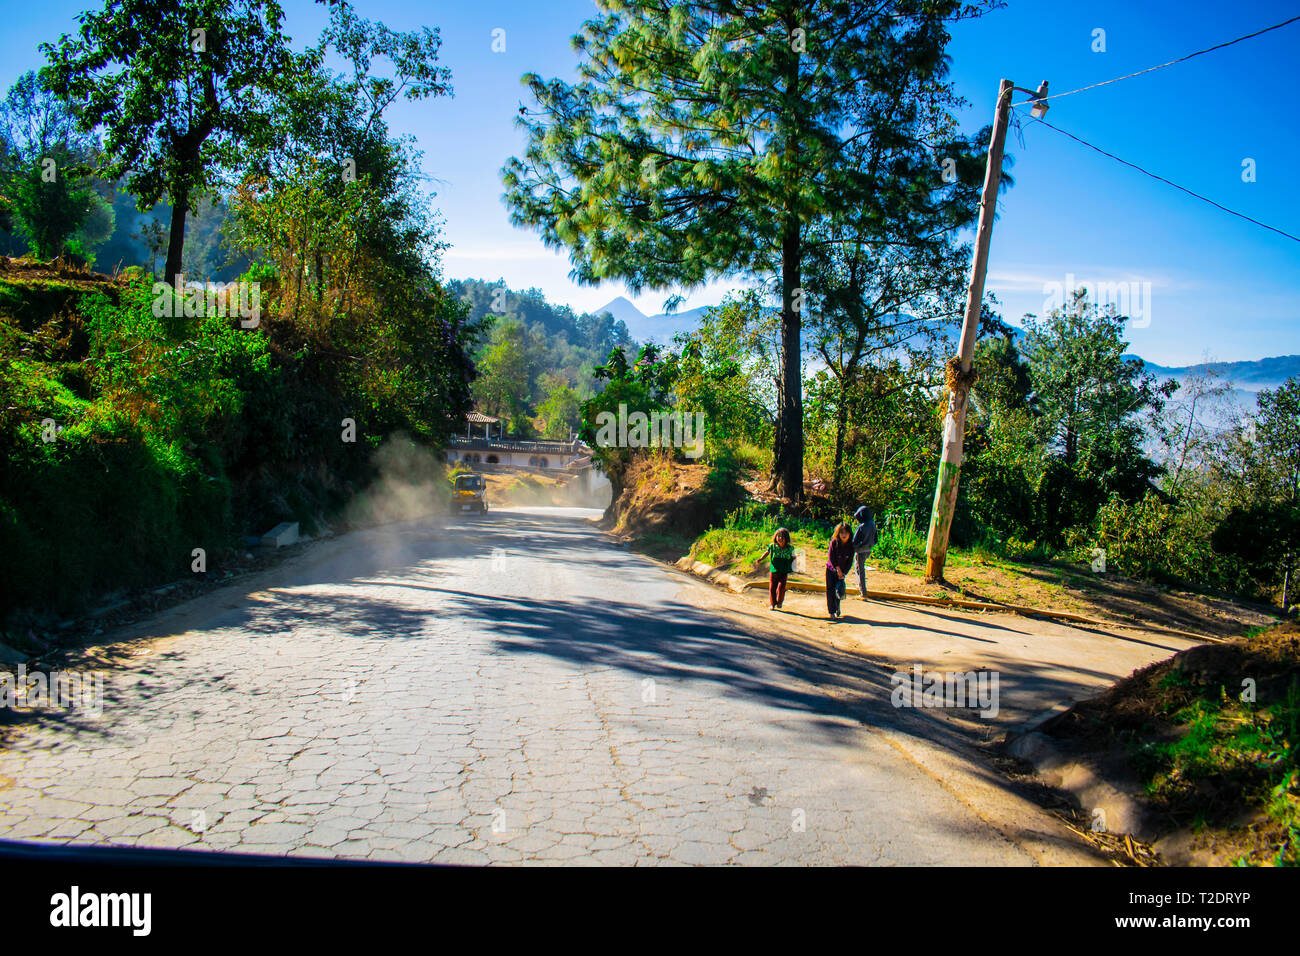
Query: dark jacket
(839, 557)
(864, 539)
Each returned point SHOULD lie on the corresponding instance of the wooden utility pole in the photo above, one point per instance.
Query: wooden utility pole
(959, 376)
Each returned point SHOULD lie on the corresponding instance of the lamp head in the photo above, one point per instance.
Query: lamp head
(1039, 99)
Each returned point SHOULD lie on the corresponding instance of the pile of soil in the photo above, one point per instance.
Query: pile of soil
(1143, 703)
(664, 504)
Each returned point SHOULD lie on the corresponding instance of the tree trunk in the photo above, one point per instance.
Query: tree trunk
(176, 240)
(787, 457)
(841, 425)
(787, 463)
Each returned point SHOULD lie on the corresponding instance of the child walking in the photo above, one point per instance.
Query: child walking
(780, 555)
(839, 559)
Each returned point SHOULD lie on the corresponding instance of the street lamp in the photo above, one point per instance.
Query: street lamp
(1039, 98)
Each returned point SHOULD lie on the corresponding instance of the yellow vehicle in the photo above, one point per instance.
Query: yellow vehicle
(469, 493)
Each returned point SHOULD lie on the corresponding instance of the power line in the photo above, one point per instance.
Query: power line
(1150, 69)
(1168, 181)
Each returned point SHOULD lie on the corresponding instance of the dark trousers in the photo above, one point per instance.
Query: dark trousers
(776, 589)
(833, 594)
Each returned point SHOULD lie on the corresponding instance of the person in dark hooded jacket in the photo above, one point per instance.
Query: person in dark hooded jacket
(864, 539)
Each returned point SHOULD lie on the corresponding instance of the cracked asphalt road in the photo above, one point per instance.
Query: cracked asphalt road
(511, 689)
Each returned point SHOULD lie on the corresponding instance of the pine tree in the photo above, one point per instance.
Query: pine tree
(703, 139)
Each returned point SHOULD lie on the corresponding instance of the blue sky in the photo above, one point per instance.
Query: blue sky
(1219, 286)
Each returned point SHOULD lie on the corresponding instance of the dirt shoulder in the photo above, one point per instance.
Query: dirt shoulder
(855, 660)
(667, 510)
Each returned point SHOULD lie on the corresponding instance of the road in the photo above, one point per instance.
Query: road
(511, 689)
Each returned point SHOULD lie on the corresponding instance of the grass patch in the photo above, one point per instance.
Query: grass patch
(741, 543)
(1212, 735)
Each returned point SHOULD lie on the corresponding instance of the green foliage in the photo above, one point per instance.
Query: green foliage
(643, 387)
(191, 432)
(725, 369)
(1091, 397)
(125, 492)
(535, 365)
(1264, 538)
(506, 371)
(1228, 751)
(742, 538)
(1004, 378)
(1001, 478)
(179, 89)
(898, 538)
(560, 410)
(1137, 539)
(44, 190)
(890, 444)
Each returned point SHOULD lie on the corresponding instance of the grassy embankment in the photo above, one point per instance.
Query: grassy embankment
(740, 545)
(1023, 576)
(1213, 736)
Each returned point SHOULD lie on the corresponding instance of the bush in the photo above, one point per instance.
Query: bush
(1153, 539)
(898, 538)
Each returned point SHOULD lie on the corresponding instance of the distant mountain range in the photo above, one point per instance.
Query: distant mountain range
(661, 328)
(1245, 376)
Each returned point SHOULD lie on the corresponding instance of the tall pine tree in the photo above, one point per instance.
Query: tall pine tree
(703, 139)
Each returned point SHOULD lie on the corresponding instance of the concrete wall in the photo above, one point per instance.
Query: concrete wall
(517, 459)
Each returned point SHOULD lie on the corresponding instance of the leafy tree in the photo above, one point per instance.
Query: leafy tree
(1265, 538)
(50, 199)
(1093, 404)
(1003, 376)
(643, 386)
(504, 384)
(727, 369)
(704, 138)
(1277, 433)
(333, 205)
(1005, 467)
(560, 410)
(1261, 463)
(1006, 455)
(561, 343)
(181, 89)
(888, 444)
(878, 307)
(889, 278)
(1087, 390)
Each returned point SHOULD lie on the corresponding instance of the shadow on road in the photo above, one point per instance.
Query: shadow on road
(358, 589)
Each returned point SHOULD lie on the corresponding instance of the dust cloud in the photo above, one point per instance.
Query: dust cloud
(410, 483)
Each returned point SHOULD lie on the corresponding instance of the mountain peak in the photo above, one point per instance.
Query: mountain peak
(621, 308)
